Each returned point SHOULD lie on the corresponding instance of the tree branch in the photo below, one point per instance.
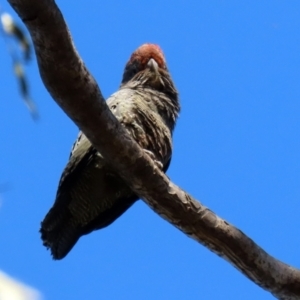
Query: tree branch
(76, 92)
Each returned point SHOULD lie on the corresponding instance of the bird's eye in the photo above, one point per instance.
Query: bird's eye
(131, 70)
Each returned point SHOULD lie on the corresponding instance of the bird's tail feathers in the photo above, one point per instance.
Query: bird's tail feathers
(59, 234)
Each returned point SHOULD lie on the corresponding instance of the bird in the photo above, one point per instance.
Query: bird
(90, 194)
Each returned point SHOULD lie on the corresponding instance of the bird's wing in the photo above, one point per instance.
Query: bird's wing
(90, 196)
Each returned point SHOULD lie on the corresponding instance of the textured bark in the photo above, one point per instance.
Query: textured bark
(76, 91)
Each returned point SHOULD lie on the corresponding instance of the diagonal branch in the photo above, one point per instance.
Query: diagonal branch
(76, 92)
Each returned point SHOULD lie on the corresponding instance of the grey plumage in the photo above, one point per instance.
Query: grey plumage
(90, 195)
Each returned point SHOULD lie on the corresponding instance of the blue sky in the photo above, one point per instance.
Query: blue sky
(236, 149)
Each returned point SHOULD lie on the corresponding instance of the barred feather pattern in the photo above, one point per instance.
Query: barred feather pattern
(90, 195)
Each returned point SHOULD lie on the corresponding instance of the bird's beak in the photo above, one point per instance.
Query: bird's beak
(153, 66)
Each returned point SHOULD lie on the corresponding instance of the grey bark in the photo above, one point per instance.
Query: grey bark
(76, 92)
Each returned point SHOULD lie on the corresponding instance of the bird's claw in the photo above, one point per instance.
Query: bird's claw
(152, 156)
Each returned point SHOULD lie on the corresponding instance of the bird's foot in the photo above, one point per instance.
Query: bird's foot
(152, 156)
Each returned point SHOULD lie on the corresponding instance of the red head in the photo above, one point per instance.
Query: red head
(140, 58)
